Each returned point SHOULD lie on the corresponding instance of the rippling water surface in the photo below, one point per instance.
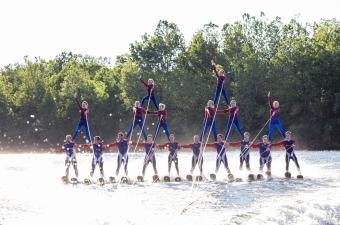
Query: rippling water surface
(31, 192)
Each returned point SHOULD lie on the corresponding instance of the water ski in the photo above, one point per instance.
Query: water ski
(74, 180)
(178, 179)
(101, 181)
(268, 173)
(87, 181)
(238, 179)
(213, 176)
(64, 179)
(230, 177)
(259, 176)
(189, 177)
(166, 179)
(199, 178)
(112, 179)
(251, 177)
(124, 180)
(155, 178)
(299, 177)
(140, 179)
(288, 175)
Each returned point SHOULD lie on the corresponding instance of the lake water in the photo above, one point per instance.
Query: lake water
(31, 192)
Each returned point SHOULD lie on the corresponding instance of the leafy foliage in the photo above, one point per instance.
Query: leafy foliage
(298, 63)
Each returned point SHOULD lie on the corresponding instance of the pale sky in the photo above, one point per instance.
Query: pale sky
(45, 28)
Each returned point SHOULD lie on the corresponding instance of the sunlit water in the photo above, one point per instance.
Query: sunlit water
(31, 192)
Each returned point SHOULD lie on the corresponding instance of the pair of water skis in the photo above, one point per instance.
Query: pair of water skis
(168, 179)
(156, 179)
(231, 178)
(100, 181)
(122, 180)
(198, 178)
(288, 175)
(73, 180)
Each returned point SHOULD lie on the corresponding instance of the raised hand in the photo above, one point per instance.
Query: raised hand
(77, 94)
(213, 65)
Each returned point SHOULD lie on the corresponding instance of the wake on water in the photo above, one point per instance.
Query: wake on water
(31, 192)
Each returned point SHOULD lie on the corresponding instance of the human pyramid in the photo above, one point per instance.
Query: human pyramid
(200, 143)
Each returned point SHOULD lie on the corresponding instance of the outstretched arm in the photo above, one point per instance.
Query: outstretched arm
(222, 110)
(163, 146)
(112, 145)
(60, 150)
(211, 145)
(270, 101)
(104, 148)
(278, 144)
(255, 145)
(235, 144)
(213, 67)
(152, 112)
(139, 144)
(143, 82)
(78, 103)
(85, 146)
(143, 110)
(186, 145)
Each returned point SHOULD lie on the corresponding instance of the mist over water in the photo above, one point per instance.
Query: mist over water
(31, 192)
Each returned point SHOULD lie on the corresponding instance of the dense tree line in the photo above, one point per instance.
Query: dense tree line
(299, 63)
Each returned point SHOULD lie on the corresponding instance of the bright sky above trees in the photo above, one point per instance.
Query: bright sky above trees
(45, 28)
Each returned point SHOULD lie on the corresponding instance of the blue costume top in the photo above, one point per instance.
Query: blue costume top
(122, 146)
(98, 150)
(83, 111)
(139, 111)
(209, 113)
(68, 147)
(245, 147)
(172, 148)
(196, 148)
(220, 79)
(264, 150)
(149, 147)
(220, 148)
(289, 145)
